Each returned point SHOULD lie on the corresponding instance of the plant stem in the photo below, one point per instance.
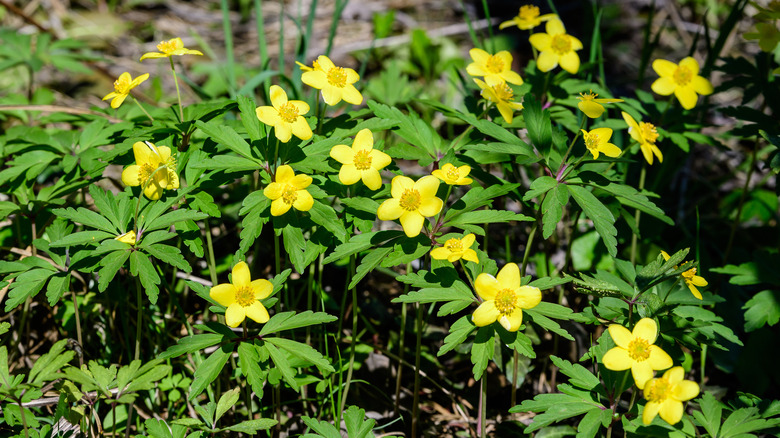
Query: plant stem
(417, 356)
(354, 335)
(401, 346)
(78, 325)
(151, 119)
(743, 195)
(139, 317)
(516, 355)
(638, 213)
(483, 405)
(210, 246)
(178, 93)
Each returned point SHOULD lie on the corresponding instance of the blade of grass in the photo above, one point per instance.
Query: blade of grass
(473, 34)
(340, 5)
(262, 44)
(229, 61)
(490, 27)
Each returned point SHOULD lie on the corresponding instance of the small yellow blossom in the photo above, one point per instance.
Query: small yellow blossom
(454, 176)
(336, 83)
(289, 190)
(645, 134)
(154, 170)
(501, 94)
(122, 87)
(496, 69)
(170, 48)
(411, 202)
(597, 140)
(361, 161)
(691, 279)
(242, 297)
(527, 18)
(556, 47)
(591, 106)
(683, 80)
(305, 68)
(456, 249)
(665, 396)
(504, 298)
(286, 116)
(636, 350)
(128, 237)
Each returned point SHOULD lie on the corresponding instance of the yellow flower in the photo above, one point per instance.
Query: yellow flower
(286, 116)
(691, 279)
(556, 47)
(500, 94)
(169, 48)
(504, 298)
(304, 67)
(665, 396)
(242, 297)
(527, 18)
(122, 87)
(645, 134)
(495, 68)
(635, 350)
(154, 170)
(454, 176)
(128, 238)
(361, 161)
(289, 190)
(412, 202)
(683, 80)
(592, 106)
(456, 249)
(597, 140)
(336, 83)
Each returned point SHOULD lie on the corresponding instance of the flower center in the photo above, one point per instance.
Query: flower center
(453, 174)
(591, 141)
(337, 77)
(316, 66)
(682, 75)
(639, 349)
(689, 274)
(362, 160)
(494, 64)
(122, 86)
(410, 200)
(657, 390)
(587, 96)
(454, 245)
(145, 172)
(289, 194)
(648, 132)
(528, 12)
(245, 296)
(560, 44)
(288, 112)
(505, 301)
(503, 92)
(166, 47)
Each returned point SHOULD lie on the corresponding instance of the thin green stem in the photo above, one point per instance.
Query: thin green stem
(483, 405)
(354, 335)
(151, 119)
(178, 92)
(212, 260)
(638, 213)
(139, 318)
(401, 336)
(417, 357)
(576, 136)
(78, 325)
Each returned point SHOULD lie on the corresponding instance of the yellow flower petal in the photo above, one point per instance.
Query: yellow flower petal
(389, 210)
(262, 288)
(686, 96)
(234, 315)
(427, 186)
(224, 294)
(570, 62)
(342, 153)
(348, 174)
(257, 312)
(671, 411)
(540, 41)
(399, 185)
(664, 68)
(278, 96)
(304, 201)
(659, 359)
(440, 253)
(279, 207)
(241, 277)
(646, 329)
(371, 179)
(685, 390)
(350, 94)
(412, 222)
(509, 276)
(616, 359)
(642, 373)
(513, 321)
(650, 412)
(691, 64)
(591, 108)
(268, 115)
(528, 297)
(620, 335)
(471, 256)
(663, 86)
(485, 314)
(610, 150)
(486, 286)
(300, 128)
(701, 85)
(130, 175)
(430, 206)
(284, 174)
(547, 61)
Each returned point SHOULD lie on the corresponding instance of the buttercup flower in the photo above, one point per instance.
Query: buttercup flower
(501, 94)
(665, 396)
(146, 171)
(454, 176)
(691, 279)
(504, 298)
(304, 67)
(336, 83)
(361, 161)
(170, 48)
(556, 47)
(527, 18)
(635, 350)
(289, 190)
(495, 68)
(412, 202)
(683, 80)
(597, 140)
(456, 249)
(122, 87)
(128, 237)
(286, 116)
(591, 106)
(242, 297)
(645, 134)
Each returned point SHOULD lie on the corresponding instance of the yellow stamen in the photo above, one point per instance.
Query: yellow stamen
(410, 200)
(505, 301)
(337, 77)
(528, 12)
(454, 245)
(503, 92)
(145, 172)
(362, 160)
(494, 64)
(122, 86)
(245, 296)
(648, 132)
(288, 112)
(453, 174)
(289, 194)
(682, 75)
(166, 47)
(591, 141)
(587, 96)
(657, 390)
(560, 44)
(639, 349)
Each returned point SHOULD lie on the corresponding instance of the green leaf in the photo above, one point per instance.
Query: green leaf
(82, 238)
(191, 344)
(599, 214)
(360, 242)
(58, 285)
(226, 402)
(482, 350)
(579, 376)
(248, 109)
(282, 365)
(208, 370)
(538, 123)
(540, 185)
(323, 429)
(487, 216)
(589, 424)
(410, 127)
(88, 218)
(227, 136)
(252, 426)
(554, 408)
(304, 352)
(368, 263)
(630, 197)
(142, 267)
(168, 254)
(172, 217)
(358, 426)
(710, 413)
(26, 285)
(762, 309)
(325, 216)
(552, 209)
(459, 331)
(478, 197)
(458, 291)
(48, 366)
(249, 362)
(291, 320)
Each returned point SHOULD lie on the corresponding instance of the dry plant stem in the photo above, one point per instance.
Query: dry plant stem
(638, 213)
(742, 197)
(178, 93)
(417, 356)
